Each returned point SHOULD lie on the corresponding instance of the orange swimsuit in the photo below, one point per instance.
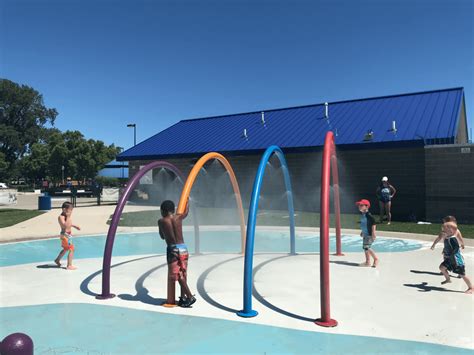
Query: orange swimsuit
(66, 241)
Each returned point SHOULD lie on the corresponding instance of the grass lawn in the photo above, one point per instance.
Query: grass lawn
(211, 216)
(10, 216)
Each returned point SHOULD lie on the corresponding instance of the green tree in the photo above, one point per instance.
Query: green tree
(58, 154)
(26, 145)
(81, 158)
(3, 165)
(22, 118)
(35, 165)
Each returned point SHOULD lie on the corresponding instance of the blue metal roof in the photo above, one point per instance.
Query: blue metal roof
(114, 169)
(114, 172)
(423, 118)
(116, 164)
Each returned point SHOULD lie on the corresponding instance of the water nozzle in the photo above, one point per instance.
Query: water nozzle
(369, 135)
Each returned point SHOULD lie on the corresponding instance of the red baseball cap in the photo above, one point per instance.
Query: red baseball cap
(363, 202)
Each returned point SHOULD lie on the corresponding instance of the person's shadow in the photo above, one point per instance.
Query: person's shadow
(432, 273)
(346, 263)
(426, 272)
(144, 297)
(49, 266)
(142, 293)
(424, 287)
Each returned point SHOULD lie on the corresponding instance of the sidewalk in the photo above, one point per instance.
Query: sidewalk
(91, 219)
(29, 201)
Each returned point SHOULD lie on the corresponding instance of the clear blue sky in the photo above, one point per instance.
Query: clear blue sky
(105, 63)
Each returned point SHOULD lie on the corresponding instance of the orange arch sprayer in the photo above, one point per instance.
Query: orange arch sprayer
(192, 178)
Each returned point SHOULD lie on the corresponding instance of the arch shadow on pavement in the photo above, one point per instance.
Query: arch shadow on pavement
(268, 304)
(85, 283)
(202, 289)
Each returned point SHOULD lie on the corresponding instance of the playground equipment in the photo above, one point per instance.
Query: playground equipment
(247, 238)
(329, 163)
(109, 244)
(192, 178)
(252, 222)
(329, 159)
(17, 344)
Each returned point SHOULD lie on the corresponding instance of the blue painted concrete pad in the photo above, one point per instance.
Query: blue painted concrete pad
(91, 329)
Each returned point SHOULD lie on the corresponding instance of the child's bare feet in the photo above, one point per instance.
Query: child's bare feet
(376, 262)
(71, 267)
(469, 291)
(448, 281)
(57, 263)
(364, 264)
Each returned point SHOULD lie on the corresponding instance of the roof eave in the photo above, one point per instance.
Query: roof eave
(308, 149)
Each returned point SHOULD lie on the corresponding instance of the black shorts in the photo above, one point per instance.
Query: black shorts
(453, 267)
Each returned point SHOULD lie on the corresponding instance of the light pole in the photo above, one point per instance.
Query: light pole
(121, 163)
(62, 169)
(134, 132)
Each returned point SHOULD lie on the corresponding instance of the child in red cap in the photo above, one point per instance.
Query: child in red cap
(367, 226)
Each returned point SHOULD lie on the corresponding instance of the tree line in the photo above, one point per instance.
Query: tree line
(30, 146)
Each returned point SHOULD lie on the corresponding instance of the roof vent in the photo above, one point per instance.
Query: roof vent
(369, 135)
(394, 127)
(245, 133)
(326, 110)
(263, 117)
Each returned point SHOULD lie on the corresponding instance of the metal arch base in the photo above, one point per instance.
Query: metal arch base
(328, 324)
(105, 297)
(248, 314)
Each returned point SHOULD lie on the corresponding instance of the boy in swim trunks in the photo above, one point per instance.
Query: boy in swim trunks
(65, 222)
(367, 226)
(453, 243)
(171, 230)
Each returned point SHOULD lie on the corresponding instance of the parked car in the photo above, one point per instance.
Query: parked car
(3, 185)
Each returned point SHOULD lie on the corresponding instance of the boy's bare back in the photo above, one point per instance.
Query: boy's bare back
(171, 229)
